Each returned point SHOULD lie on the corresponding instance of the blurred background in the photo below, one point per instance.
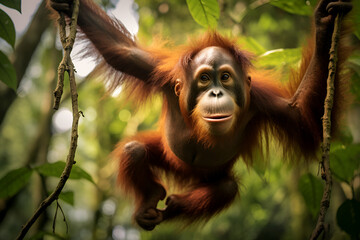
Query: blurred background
(278, 200)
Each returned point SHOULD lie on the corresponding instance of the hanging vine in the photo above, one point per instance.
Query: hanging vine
(328, 104)
(65, 65)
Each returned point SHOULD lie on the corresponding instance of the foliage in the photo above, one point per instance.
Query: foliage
(7, 71)
(68, 197)
(7, 29)
(348, 217)
(14, 181)
(281, 60)
(295, 7)
(311, 188)
(345, 165)
(206, 13)
(7, 32)
(55, 170)
(15, 4)
(345, 162)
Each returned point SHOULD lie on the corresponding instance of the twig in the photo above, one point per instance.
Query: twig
(55, 216)
(66, 64)
(58, 206)
(325, 161)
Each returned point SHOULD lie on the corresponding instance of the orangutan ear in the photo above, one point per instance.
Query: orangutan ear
(178, 86)
(248, 81)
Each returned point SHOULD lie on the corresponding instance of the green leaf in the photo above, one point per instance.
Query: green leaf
(311, 188)
(67, 197)
(7, 29)
(277, 57)
(51, 169)
(79, 173)
(15, 4)
(7, 72)
(252, 45)
(345, 161)
(14, 181)
(56, 169)
(204, 12)
(304, 7)
(348, 217)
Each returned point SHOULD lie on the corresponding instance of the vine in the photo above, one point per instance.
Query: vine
(65, 65)
(328, 104)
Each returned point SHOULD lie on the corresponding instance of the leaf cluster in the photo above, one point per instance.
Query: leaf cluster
(15, 180)
(7, 32)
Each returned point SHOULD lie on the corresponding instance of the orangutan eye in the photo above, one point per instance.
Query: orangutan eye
(204, 78)
(225, 77)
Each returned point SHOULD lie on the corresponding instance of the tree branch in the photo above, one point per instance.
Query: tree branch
(66, 64)
(325, 160)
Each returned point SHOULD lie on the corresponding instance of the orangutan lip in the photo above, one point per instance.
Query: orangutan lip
(217, 118)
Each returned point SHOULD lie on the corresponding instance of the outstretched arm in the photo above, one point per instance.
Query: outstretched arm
(110, 38)
(294, 116)
(310, 95)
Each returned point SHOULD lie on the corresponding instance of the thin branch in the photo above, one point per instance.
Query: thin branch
(58, 206)
(69, 67)
(64, 218)
(55, 216)
(325, 161)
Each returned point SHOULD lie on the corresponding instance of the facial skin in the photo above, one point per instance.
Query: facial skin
(218, 91)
